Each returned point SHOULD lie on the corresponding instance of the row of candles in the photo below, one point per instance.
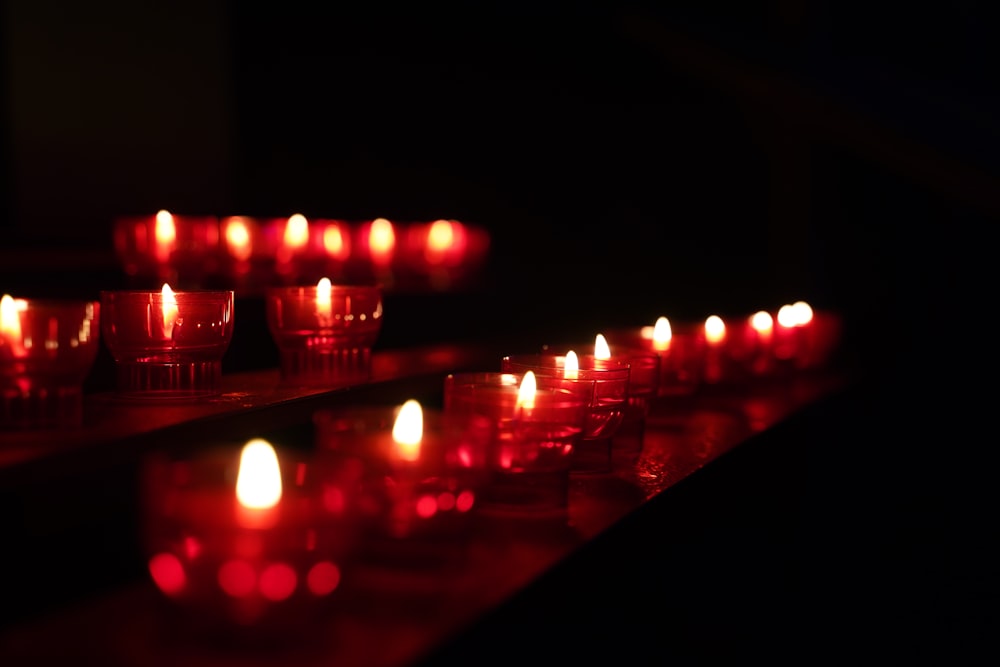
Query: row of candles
(245, 252)
(253, 535)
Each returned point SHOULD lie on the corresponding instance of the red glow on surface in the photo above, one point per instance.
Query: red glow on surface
(278, 582)
(300, 474)
(446, 501)
(426, 507)
(192, 547)
(506, 459)
(333, 499)
(465, 457)
(465, 501)
(167, 573)
(323, 578)
(237, 578)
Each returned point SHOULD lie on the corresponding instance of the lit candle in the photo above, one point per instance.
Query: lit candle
(47, 348)
(183, 249)
(605, 409)
(714, 338)
(420, 472)
(325, 332)
(167, 344)
(262, 555)
(535, 424)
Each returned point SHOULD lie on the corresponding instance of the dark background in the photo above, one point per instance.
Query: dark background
(628, 161)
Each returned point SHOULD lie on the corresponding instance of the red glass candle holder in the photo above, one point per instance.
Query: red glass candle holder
(531, 445)
(179, 249)
(324, 333)
(443, 254)
(752, 346)
(167, 345)
(47, 348)
(675, 346)
(606, 408)
(415, 497)
(236, 562)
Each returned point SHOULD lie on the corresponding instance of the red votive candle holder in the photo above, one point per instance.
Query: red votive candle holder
(47, 348)
(805, 339)
(442, 254)
(752, 345)
(179, 249)
(675, 346)
(535, 422)
(166, 344)
(374, 252)
(325, 332)
(417, 475)
(606, 409)
(243, 542)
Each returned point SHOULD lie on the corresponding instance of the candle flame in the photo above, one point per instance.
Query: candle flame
(333, 242)
(441, 236)
(165, 233)
(715, 329)
(258, 483)
(803, 313)
(10, 321)
(238, 239)
(169, 306)
(408, 430)
(571, 367)
(296, 231)
(762, 321)
(662, 334)
(787, 317)
(381, 238)
(526, 392)
(324, 298)
(601, 348)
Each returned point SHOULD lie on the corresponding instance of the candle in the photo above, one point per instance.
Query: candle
(47, 348)
(606, 408)
(444, 253)
(675, 346)
(182, 249)
(535, 424)
(804, 338)
(643, 387)
(167, 344)
(715, 366)
(753, 347)
(244, 539)
(324, 333)
(418, 472)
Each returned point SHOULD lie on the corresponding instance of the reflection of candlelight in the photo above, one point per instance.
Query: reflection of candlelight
(258, 484)
(165, 234)
(169, 307)
(408, 431)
